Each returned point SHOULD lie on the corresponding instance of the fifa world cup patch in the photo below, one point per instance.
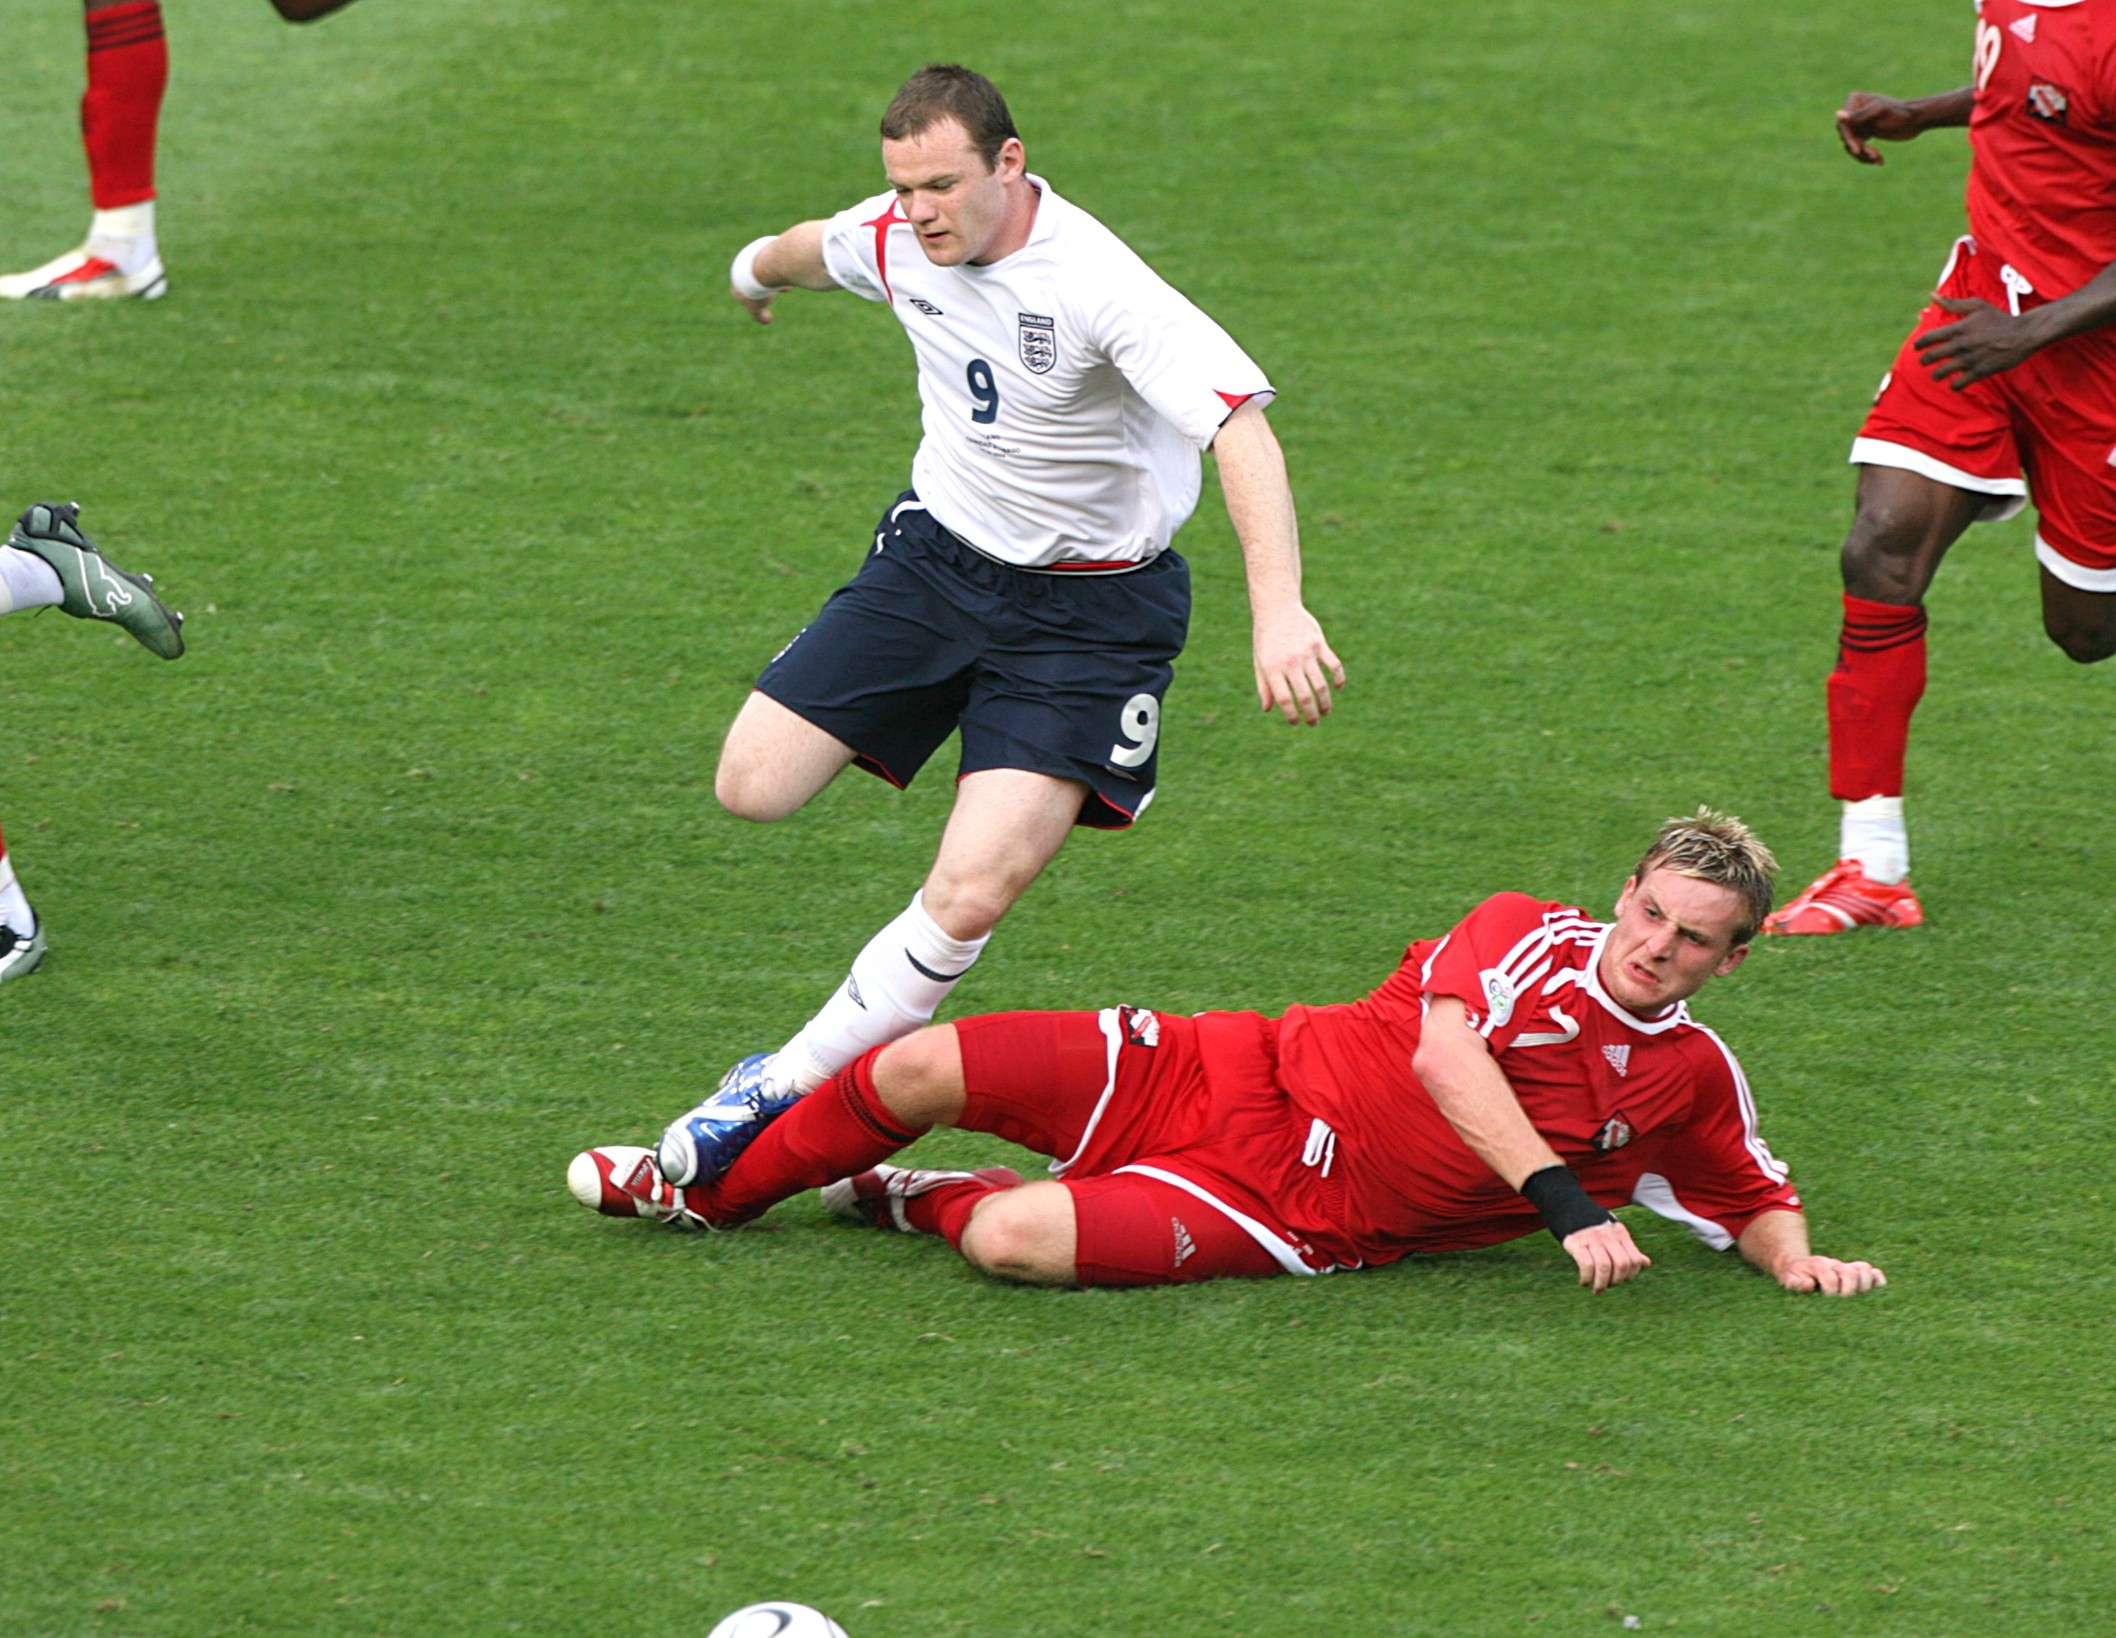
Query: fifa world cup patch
(1615, 1133)
(1039, 342)
(1498, 995)
(1142, 1026)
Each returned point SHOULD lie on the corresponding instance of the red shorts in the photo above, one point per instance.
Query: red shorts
(1186, 1160)
(2050, 420)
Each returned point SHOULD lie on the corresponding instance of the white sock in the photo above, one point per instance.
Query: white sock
(1874, 835)
(895, 984)
(14, 907)
(124, 237)
(27, 582)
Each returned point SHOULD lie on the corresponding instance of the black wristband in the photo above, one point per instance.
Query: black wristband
(1566, 1208)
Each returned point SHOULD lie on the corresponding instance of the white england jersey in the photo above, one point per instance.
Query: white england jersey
(1067, 389)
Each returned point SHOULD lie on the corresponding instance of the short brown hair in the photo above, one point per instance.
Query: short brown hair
(1716, 847)
(950, 91)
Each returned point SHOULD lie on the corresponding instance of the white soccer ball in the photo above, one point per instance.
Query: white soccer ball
(777, 1620)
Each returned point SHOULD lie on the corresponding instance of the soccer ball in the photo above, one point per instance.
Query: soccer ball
(777, 1620)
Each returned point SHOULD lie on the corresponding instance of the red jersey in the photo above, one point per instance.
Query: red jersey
(2042, 139)
(1647, 1110)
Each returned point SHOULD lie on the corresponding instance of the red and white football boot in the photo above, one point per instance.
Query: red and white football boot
(622, 1180)
(878, 1196)
(1844, 897)
(81, 275)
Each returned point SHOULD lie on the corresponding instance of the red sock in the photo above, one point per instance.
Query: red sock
(839, 1129)
(1879, 680)
(128, 66)
(945, 1210)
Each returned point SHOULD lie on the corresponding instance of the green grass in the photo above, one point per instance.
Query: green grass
(407, 882)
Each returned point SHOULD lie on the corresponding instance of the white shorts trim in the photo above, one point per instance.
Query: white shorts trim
(1113, 1034)
(2010, 495)
(1270, 1239)
(2073, 574)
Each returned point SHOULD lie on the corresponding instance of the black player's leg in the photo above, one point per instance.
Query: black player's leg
(2082, 623)
(1904, 524)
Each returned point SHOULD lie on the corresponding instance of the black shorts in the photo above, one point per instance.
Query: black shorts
(1057, 672)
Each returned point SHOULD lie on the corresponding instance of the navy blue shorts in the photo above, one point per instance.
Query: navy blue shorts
(1057, 672)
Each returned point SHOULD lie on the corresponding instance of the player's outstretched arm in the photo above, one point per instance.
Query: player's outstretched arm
(1454, 1063)
(1295, 668)
(1867, 118)
(1776, 1242)
(792, 260)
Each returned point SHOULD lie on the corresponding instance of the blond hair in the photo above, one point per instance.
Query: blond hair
(1716, 847)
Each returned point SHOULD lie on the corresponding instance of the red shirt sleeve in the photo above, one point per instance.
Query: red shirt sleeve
(1714, 1173)
(1492, 962)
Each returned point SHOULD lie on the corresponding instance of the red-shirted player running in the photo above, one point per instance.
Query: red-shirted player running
(2006, 388)
(1532, 1067)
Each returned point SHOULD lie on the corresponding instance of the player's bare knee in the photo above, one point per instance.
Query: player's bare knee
(2088, 644)
(919, 1079)
(1883, 557)
(1023, 1235)
(970, 907)
(747, 791)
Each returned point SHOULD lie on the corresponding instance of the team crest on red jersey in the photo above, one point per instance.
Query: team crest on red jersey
(1142, 1026)
(1615, 1133)
(1039, 342)
(2048, 103)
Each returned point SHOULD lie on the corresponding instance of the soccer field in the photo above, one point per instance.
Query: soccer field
(486, 504)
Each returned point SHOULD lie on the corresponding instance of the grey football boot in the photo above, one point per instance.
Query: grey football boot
(96, 588)
(20, 956)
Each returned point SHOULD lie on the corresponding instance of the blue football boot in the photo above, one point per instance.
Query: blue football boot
(700, 1146)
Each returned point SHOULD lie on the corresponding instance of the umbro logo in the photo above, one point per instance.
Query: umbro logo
(1185, 1245)
(925, 307)
(2024, 27)
(1619, 1058)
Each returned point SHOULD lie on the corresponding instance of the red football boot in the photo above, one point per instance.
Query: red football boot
(1844, 897)
(622, 1180)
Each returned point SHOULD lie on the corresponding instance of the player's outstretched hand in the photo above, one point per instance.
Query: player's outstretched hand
(758, 310)
(1830, 1277)
(1607, 1255)
(1867, 118)
(1986, 340)
(1295, 668)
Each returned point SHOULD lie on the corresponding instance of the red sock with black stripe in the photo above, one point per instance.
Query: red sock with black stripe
(838, 1130)
(128, 69)
(1877, 683)
(945, 1210)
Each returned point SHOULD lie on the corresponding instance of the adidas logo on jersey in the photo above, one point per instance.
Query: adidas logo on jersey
(1185, 1245)
(1619, 1058)
(2024, 27)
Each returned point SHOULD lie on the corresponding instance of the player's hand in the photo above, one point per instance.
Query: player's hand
(1295, 669)
(1607, 1255)
(1986, 340)
(758, 310)
(1830, 1277)
(1867, 118)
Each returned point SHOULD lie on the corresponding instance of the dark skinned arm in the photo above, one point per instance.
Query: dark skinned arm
(1867, 118)
(1986, 339)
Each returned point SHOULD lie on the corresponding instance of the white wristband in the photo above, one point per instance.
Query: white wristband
(743, 275)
